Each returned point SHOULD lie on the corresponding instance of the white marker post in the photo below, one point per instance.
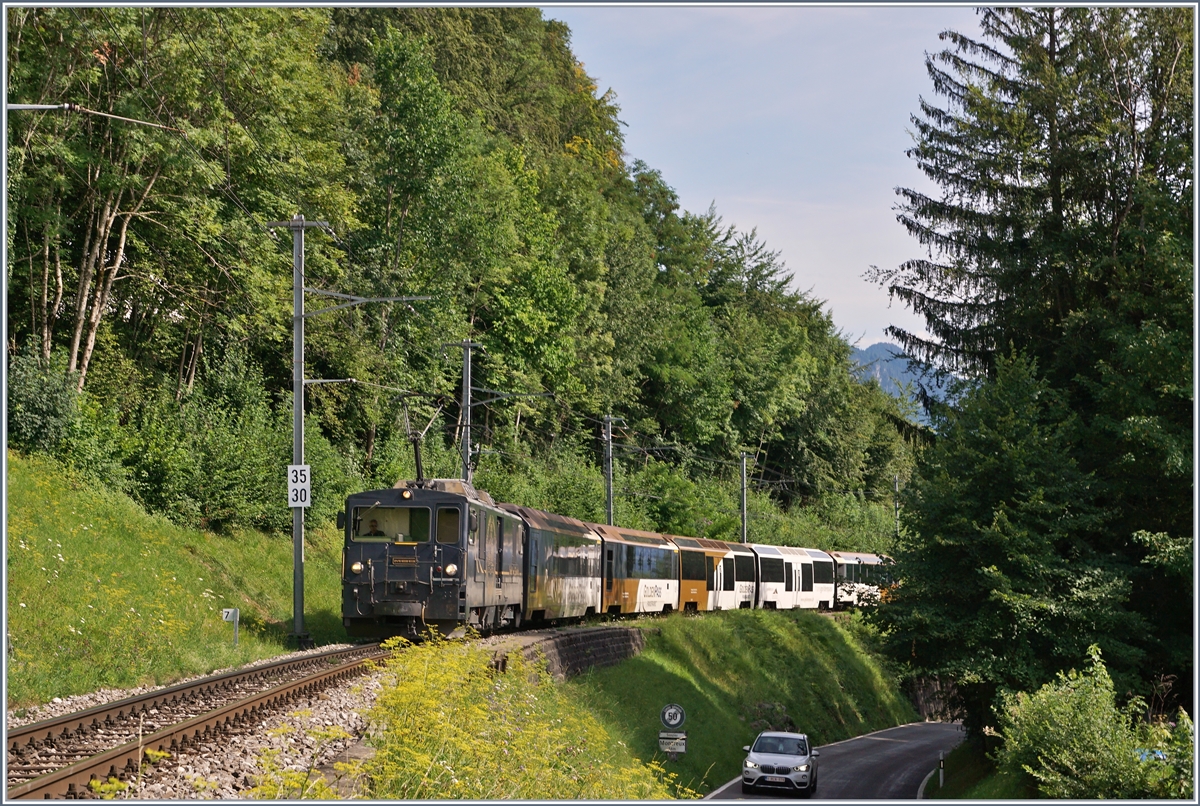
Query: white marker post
(232, 614)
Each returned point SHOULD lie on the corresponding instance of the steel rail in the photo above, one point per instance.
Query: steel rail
(80, 720)
(125, 762)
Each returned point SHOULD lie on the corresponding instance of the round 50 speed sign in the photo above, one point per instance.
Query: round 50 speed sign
(672, 715)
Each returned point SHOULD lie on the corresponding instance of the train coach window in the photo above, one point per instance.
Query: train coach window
(710, 565)
(727, 574)
(391, 524)
(691, 565)
(823, 573)
(448, 519)
(772, 569)
(743, 566)
(806, 577)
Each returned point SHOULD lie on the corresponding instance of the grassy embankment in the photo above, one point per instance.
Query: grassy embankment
(101, 594)
(970, 775)
(736, 673)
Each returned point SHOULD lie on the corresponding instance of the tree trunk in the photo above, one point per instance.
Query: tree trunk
(96, 234)
(107, 276)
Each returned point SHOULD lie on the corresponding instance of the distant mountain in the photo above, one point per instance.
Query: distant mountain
(882, 362)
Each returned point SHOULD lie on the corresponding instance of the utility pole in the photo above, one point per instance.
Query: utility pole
(297, 225)
(608, 465)
(896, 503)
(744, 497)
(466, 346)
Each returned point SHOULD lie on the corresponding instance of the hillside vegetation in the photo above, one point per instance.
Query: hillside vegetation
(103, 595)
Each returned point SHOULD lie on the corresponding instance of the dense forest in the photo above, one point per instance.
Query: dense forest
(459, 154)
(1052, 521)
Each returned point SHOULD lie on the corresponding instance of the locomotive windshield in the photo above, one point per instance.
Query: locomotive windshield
(391, 524)
(404, 524)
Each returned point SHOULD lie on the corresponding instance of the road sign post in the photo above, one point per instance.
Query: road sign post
(672, 741)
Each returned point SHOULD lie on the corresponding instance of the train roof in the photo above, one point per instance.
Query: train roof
(738, 548)
(633, 536)
(789, 551)
(859, 557)
(698, 543)
(549, 521)
(456, 486)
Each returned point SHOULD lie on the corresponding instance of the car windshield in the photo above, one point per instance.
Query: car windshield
(781, 745)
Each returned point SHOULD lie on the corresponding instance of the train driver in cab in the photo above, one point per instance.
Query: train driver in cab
(373, 530)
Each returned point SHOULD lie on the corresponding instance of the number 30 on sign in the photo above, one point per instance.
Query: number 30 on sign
(299, 486)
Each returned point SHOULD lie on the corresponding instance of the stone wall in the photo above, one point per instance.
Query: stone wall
(573, 651)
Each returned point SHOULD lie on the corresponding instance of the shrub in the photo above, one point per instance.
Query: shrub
(42, 404)
(1076, 743)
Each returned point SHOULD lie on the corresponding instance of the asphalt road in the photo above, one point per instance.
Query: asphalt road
(888, 764)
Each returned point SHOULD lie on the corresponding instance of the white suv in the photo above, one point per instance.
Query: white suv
(780, 761)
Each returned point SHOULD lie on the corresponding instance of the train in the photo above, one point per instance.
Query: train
(438, 554)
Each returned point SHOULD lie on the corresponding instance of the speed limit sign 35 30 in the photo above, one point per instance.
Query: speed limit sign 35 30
(299, 486)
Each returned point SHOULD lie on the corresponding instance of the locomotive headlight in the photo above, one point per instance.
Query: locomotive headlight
(451, 570)
(357, 568)
(406, 494)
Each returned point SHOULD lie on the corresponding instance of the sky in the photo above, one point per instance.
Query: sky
(790, 120)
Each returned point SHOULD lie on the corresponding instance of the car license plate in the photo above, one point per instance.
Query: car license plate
(774, 779)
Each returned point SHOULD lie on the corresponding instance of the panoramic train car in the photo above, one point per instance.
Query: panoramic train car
(640, 571)
(859, 577)
(740, 569)
(437, 554)
(775, 591)
(815, 580)
(700, 584)
(562, 566)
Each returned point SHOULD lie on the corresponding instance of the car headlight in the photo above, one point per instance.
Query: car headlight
(356, 568)
(800, 768)
(451, 570)
(750, 765)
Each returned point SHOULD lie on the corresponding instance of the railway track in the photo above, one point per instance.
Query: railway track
(58, 758)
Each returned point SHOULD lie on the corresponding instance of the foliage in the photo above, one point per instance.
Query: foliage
(447, 725)
(1074, 740)
(1001, 586)
(42, 405)
(460, 154)
(1060, 230)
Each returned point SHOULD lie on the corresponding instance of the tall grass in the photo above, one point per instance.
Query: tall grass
(447, 726)
(101, 594)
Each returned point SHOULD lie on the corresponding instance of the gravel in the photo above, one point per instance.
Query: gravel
(230, 765)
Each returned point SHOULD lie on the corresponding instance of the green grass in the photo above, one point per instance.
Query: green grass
(971, 775)
(101, 594)
(739, 672)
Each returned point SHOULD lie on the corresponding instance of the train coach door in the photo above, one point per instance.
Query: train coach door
(498, 525)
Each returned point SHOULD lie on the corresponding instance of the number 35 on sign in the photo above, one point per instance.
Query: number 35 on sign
(299, 485)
